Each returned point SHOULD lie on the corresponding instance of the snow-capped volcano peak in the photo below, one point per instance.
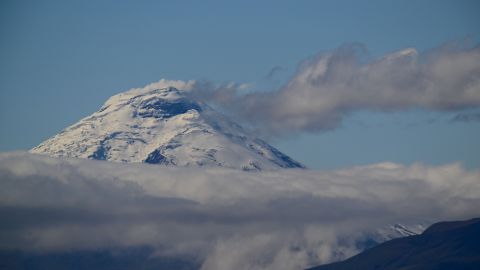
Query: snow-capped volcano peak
(164, 126)
(167, 93)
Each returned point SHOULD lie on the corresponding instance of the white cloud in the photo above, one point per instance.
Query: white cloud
(163, 83)
(329, 86)
(230, 219)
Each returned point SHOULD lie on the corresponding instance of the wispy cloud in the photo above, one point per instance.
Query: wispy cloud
(273, 72)
(467, 117)
(230, 219)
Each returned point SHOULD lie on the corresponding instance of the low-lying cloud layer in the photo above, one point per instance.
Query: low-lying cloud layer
(331, 85)
(286, 219)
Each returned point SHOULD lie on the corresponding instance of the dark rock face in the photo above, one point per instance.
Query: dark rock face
(156, 157)
(443, 246)
(159, 108)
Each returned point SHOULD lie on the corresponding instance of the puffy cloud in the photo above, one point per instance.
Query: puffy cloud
(329, 86)
(228, 219)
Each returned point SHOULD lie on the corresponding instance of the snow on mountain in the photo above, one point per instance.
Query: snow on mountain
(375, 236)
(164, 126)
(397, 230)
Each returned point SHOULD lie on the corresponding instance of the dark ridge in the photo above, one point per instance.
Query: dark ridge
(443, 246)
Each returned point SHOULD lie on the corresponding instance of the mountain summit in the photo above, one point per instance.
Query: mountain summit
(164, 126)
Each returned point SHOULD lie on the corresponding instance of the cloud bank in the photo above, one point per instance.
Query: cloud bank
(227, 219)
(329, 86)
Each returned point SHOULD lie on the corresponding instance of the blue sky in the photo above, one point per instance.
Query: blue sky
(62, 59)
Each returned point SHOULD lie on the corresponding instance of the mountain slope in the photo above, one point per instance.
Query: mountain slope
(164, 126)
(444, 245)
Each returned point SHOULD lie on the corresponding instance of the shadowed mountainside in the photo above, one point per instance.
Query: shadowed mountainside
(444, 245)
